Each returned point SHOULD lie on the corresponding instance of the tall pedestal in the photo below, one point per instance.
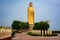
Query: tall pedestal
(31, 26)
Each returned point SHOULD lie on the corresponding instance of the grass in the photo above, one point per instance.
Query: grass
(53, 34)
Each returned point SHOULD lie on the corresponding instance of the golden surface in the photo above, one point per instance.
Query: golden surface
(30, 14)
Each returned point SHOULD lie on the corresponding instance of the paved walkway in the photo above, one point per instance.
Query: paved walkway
(24, 36)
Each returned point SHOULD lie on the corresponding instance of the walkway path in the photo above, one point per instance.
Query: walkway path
(24, 36)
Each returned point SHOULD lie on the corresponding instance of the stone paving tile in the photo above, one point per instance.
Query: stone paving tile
(24, 36)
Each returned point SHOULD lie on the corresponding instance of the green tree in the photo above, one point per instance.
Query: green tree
(43, 25)
(24, 25)
(18, 25)
(15, 25)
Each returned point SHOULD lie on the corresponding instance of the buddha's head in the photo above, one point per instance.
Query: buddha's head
(30, 4)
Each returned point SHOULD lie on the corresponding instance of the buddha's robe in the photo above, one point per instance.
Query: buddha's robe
(31, 15)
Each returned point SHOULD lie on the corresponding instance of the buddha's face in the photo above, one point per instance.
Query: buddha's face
(30, 4)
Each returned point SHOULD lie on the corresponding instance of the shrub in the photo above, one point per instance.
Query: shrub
(53, 34)
(30, 33)
(55, 31)
(0, 27)
(13, 33)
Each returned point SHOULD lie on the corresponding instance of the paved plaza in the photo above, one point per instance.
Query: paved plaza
(24, 36)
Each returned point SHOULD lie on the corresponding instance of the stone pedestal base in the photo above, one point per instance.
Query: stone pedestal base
(31, 26)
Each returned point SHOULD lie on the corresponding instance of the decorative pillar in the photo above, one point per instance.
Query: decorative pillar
(42, 32)
(45, 32)
(31, 26)
(50, 32)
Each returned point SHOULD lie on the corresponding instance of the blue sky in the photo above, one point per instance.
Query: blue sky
(11, 10)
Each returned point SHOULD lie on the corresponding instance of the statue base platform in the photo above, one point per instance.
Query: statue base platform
(31, 26)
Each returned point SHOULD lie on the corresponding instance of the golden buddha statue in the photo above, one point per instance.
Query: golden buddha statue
(31, 15)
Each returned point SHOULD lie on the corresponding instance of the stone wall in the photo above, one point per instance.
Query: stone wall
(39, 32)
(4, 33)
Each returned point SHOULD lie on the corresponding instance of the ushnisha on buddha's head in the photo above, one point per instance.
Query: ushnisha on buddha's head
(30, 4)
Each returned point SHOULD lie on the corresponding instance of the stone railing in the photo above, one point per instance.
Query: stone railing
(39, 32)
